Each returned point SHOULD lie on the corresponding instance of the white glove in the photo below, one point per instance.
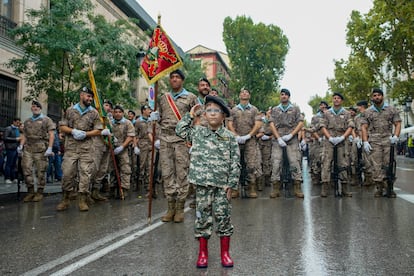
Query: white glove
(303, 145)
(350, 138)
(240, 140)
(157, 144)
(367, 147)
(281, 142)
(265, 137)
(136, 150)
(155, 116)
(340, 139)
(78, 134)
(287, 137)
(49, 152)
(394, 139)
(358, 142)
(332, 140)
(118, 150)
(320, 139)
(105, 132)
(20, 149)
(115, 140)
(246, 137)
(190, 149)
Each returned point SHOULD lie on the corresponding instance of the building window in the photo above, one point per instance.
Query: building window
(6, 17)
(8, 99)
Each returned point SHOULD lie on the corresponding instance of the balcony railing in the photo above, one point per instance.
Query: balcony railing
(5, 25)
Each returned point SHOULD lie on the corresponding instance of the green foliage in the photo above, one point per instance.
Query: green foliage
(60, 41)
(383, 37)
(193, 72)
(257, 53)
(316, 100)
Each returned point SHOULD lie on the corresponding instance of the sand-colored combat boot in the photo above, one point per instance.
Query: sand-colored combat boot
(83, 205)
(64, 204)
(345, 190)
(169, 216)
(252, 190)
(298, 189)
(30, 195)
(38, 196)
(97, 196)
(275, 190)
(379, 189)
(324, 191)
(179, 211)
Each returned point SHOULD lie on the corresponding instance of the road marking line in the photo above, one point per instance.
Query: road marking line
(407, 197)
(405, 169)
(91, 258)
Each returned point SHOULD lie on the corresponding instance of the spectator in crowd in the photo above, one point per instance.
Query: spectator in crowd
(11, 140)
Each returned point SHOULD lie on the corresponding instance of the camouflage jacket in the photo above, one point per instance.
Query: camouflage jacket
(336, 123)
(215, 157)
(380, 122)
(286, 119)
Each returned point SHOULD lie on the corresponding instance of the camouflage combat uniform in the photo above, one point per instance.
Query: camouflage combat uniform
(36, 132)
(265, 147)
(79, 153)
(380, 127)
(315, 148)
(144, 145)
(214, 167)
(367, 167)
(174, 155)
(336, 123)
(285, 121)
(121, 130)
(244, 119)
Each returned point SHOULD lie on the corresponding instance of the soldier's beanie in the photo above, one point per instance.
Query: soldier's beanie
(86, 90)
(377, 90)
(353, 109)
(119, 108)
(285, 91)
(36, 103)
(217, 100)
(145, 106)
(362, 103)
(178, 72)
(339, 95)
(205, 80)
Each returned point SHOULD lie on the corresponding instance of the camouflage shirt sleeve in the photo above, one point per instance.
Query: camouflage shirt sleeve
(184, 129)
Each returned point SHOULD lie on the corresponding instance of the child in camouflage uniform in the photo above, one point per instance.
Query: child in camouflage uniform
(214, 170)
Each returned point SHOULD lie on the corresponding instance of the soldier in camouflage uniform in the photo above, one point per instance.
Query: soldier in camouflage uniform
(315, 147)
(81, 122)
(336, 124)
(37, 140)
(351, 150)
(265, 145)
(244, 122)
(124, 132)
(102, 155)
(381, 126)
(214, 169)
(362, 107)
(142, 147)
(174, 150)
(286, 121)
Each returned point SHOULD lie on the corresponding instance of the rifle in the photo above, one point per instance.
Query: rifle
(335, 172)
(391, 171)
(243, 172)
(360, 167)
(286, 175)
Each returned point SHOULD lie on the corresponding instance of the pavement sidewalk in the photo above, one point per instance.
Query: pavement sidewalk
(51, 188)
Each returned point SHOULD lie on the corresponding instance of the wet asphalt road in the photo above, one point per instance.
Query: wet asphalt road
(361, 235)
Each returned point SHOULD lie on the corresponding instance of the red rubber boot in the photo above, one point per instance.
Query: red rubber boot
(202, 260)
(226, 260)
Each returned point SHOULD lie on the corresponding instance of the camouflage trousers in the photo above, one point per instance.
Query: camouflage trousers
(75, 162)
(212, 203)
(315, 156)
(379, 159)
(266, 153)
(103, 168)
(40, 162)
(175, 161)
(294, 156)
(144, 165)
(123, 163)
(327, 162)
(251, 155)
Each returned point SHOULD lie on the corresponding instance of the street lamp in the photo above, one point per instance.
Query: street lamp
(407, 110)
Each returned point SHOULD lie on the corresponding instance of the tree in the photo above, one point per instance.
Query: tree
(384, 37)
(316, 100)
(257, 53)
(354, 78)
(59, 42)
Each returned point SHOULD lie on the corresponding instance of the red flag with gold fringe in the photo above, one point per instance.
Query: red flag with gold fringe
(161, 57)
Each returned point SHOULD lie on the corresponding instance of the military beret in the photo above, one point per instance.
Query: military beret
(109, 102)
(178, 72)
(36, 103)
(338, 94)
(285, 91)
(362, 103)
(377, 90)
(324, 103)
(86, 90)
(217, 100)
(205, 80)
(353, 109)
